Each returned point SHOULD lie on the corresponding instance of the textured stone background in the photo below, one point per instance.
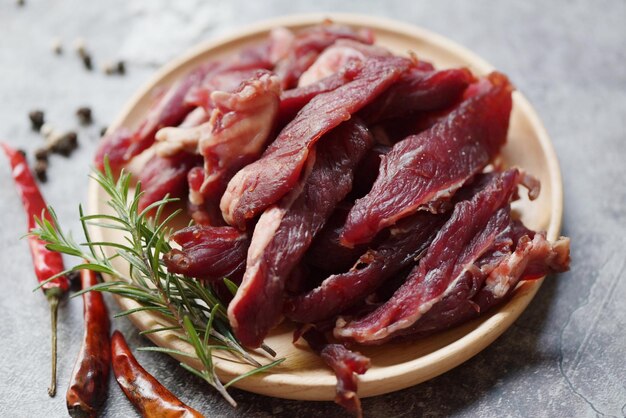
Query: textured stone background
(563, 358)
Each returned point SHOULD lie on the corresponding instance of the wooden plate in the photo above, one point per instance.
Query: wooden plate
(398, 365)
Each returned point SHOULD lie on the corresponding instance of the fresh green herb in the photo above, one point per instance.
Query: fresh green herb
(194, 311)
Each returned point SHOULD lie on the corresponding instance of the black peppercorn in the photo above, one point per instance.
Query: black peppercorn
(37, 119)
(57, 46)
(84, 115)
(121, 68)
(87, 61)
(41, 170)
(65, 144)
(41, 154)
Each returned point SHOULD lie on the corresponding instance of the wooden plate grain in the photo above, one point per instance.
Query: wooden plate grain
(396, 365)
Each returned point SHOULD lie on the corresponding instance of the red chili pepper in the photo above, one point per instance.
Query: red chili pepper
(90, 378)
(47, 263)
(149, 397)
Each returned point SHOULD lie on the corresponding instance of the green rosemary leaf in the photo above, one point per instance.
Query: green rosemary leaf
(194, 340)
(106, 225)
(193, 308)
(162, 226)
(209, 324)
(232, 287)
(159, 205)
(64, 249)
(160, 329)
(253, 372)
(103, 217)
(98, 268)
(99, 287)
(112, 245)
(194, 371)
(159, 309)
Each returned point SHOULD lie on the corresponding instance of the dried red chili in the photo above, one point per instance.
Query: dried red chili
(47, 263)
(147, 395)
(90, 378)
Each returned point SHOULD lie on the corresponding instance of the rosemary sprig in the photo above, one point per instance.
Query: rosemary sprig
(191, 307)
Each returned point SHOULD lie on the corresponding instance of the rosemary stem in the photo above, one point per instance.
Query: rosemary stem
(179, 298)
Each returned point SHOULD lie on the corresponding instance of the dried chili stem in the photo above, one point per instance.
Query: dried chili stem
(54, 313)
(48, 263)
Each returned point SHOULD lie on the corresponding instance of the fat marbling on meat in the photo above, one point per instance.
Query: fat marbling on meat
(285, 230)
(528, 256)
(293, 100)
(208, 253)
(121, 145)
(423, 171)
(469, 233)
(236, 133)
(419, 91)
(172, 107)
(406, 242)
(265, 181)
(336, 57)
(293, 53)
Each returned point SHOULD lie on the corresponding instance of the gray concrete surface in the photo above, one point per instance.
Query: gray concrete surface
(563, 358)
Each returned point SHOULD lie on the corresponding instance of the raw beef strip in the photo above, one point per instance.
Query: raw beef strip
(227, 81)
(227, 74)
(346, 364)
(169, 110)
(292, 101)
(265, 181)
(163, 176)
(419, 91)
(281, 41)
(236, 133)
(367, 171)
(407, 242)
(113, 146)
(207, 213)
(394, 130)
(469, 233)
(336, 56)
(297, 52)
(423, 171)
(285, 231)
(302, 278)
(454, 307)
(326, 253)
(208, 253)
(534, 257)
(172, 107)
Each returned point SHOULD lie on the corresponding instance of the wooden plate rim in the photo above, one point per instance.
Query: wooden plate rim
(293, 386)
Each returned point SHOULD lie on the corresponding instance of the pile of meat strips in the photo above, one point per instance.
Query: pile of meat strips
(347, 189)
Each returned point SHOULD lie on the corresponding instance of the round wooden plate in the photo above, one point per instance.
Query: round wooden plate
(394, 365)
